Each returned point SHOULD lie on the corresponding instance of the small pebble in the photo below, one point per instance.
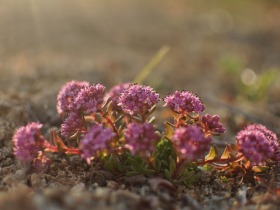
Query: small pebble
(134, 180)
(53, 166)
(101, 192)
(5, 170)
(206, 176)
(61, 173)
(207, 191)
(112, 184)
(78, 188)
(35, 180)
(9, 180)
(64, 163)
(20, 174)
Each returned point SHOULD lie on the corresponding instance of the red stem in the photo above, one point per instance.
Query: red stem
(220, 160)
(72, 151)
(179, 120)
(113, 126)
(143, 118)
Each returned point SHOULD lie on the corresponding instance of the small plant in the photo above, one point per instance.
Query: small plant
(117, 129)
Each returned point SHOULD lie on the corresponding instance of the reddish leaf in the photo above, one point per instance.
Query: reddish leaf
(212, 154)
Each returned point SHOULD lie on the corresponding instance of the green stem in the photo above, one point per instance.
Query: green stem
(178, 167)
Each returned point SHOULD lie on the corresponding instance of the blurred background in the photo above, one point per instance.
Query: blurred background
(228, 52)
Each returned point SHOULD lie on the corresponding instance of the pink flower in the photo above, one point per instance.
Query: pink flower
(184, 102)
(115, 93)
(138, 99)
(96, 141)
(67, 94)
(89, 99)
(71, 124)
(190, 143)
(257, 143)
(28, 141)
(268, 133)
(211, 124)
(270, 136)
(140, 138)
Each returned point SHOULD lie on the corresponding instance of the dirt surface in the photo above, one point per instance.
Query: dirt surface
(45, 44)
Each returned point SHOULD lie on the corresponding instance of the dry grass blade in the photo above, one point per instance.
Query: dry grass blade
(151, 65)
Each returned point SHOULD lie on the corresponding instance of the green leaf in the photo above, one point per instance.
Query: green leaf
(149, 171)
(182, 176)
(164, 163)
(190, 178)
(172, 165)
(207, 167)
(158, 164)
(132, 161)
(108, 165)
(113, 164)
(167, 174)
(212, 153)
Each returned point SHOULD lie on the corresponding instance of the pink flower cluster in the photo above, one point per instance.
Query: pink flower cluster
(89, 99)
(96, 141)
(114, 94)
(68, 94)
(184, 102)
(192, 137)
(140, 139)
(76, 96)
(76, 99)
(257, 143)
(210, 124)
(190, 142)
(28, 141)
(71, 124)
(138, 99)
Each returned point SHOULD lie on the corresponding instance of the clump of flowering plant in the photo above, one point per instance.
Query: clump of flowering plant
(184, 102)
(257, 143)
(96, 141)
(72, 124)
(138, 99)
(190, 142)
(140, 138)
(114, 94)
(28, 141)
(89, 99)
(68, 94)
(210, 124)
(116, 128)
